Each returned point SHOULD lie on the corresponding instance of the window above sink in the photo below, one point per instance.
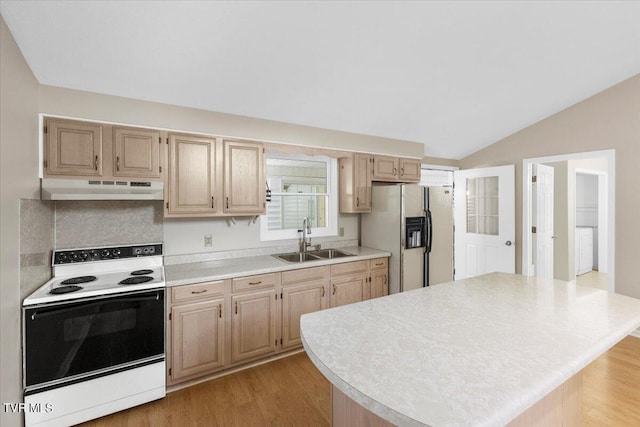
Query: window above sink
(301, 186)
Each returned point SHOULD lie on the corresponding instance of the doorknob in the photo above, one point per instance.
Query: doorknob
(554, 237)
(508, 243)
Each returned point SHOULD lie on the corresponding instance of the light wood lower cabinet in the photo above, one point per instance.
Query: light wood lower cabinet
(224, 324)
(253, 325)
(197, 332)
(379, 277)
(349, 290)
(296, 301)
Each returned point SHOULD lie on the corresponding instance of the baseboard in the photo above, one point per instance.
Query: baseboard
(636, 333)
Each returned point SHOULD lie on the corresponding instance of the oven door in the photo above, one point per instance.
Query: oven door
(75, 340)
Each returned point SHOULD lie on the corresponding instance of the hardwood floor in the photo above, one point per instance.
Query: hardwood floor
(611, 387)
(291, 392)
(285, 392)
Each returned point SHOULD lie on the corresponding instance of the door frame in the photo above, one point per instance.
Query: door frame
(527, 164)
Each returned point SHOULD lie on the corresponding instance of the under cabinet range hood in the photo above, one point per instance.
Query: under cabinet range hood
(82, 189)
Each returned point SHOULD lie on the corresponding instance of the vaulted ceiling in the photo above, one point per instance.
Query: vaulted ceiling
(456, 76)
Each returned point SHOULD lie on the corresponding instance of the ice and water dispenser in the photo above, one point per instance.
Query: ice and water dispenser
(415, 232)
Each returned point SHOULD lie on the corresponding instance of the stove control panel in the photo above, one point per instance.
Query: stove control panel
(69, 256)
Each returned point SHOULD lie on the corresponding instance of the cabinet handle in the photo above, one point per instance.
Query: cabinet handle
(227, 203)
(118, 164)
(95, 163)
(379, 263)
(220, 311)
(199, 292)
(236, 307)
(255, 283)
(402, 172)
(212, 203)
(323, 290)
(334, 289)
(385, 279)
(395, 171)
(357, 201)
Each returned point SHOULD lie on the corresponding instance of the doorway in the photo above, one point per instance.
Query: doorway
(574, 213)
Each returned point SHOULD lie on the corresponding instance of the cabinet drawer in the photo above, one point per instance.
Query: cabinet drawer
(349, 268)
(196, 291)
(255, 282)
(304, 275)
(378, 264)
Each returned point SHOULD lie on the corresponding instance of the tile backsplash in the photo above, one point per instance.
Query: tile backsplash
(37, 241)
(103, 223)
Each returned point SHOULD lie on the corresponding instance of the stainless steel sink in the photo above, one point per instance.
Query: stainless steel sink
(312, 256)
(298, 257)
(330, 253)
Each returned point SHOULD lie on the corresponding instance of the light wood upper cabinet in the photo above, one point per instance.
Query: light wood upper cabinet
(244, 177)
(197, 344)
(385, 168)
(191, 185)
(136, 153)
(253, 325)
(73, 148)
(355, 183)
(395, 169)
(298, 300)
(410, 170)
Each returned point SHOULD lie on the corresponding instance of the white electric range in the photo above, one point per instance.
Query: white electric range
(94, 335)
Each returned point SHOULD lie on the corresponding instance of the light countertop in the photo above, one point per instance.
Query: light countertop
(478, 351)
(196, 272)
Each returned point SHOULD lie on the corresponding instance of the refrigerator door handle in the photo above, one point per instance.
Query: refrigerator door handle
(430, 232)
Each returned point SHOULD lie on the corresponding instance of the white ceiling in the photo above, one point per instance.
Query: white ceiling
(456, 76)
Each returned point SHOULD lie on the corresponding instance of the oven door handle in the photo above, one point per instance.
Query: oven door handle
(46, 313)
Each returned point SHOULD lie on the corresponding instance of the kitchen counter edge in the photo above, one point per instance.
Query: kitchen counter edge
(208, 271)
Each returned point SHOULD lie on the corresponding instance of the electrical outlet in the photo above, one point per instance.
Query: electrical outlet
(208, 240)
(341, 231)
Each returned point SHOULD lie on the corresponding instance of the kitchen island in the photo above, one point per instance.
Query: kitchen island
(488, 351)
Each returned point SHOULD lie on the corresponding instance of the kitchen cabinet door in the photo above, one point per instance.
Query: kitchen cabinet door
(253, 325)
(296, 301)
(197, 338)
(244, 177)
(73, 148)
(410, 170)
(379, 281)
(355, 183)
(385, 168)
(136, 153)
(191, 184)
(347, 290)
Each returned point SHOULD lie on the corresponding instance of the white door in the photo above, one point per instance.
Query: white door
(484, 218)
(543, 221)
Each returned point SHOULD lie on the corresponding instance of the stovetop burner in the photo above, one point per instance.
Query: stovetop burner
(141, 272)
(78, 280)
(135, 280)
(65, 289)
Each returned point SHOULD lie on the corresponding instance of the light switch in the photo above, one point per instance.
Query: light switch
(208, 240)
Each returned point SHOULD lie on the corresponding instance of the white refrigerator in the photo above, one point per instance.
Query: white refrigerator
(415, 224)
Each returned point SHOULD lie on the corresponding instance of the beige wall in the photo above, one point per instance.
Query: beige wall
(18, 179)
(440, 161)
(607, 120)
(93, 106)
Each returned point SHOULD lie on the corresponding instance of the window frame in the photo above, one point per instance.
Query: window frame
(331, 228)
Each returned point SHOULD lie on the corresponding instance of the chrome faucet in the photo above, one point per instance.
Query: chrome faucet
(306, 229)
